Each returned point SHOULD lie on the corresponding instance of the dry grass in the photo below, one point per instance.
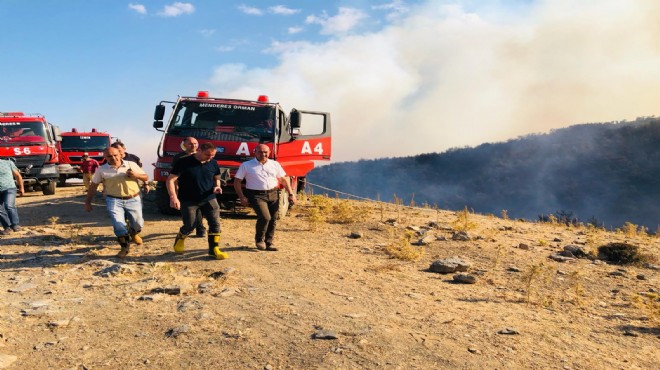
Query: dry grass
(463, 221)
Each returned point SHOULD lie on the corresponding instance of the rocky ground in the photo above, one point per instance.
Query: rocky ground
(332, 297)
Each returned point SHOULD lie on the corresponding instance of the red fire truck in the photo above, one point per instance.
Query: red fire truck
(236, 127)
(72, 147)
(31, 141)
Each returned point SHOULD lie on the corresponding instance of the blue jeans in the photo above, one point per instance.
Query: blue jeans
(8, 212)
(121, 210)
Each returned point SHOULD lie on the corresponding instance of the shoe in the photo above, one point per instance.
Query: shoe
(123, 252)
(261, 246)
(219, 255)
(271, 248)
(6, 231)
(137, 239)
(16, 228)
(179, 243)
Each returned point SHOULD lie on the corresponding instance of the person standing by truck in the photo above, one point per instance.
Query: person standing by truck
(88, 167)
(190, 145)
(262, 176)
(198, 180)
(122, 197)
(9, 178)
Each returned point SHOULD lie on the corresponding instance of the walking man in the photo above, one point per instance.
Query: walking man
(8, 212)
(190, 145)
(262, 176)
(122, 197)
(88, 168)
(198, 180)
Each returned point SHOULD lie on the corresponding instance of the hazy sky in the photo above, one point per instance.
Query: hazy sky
(400, 78)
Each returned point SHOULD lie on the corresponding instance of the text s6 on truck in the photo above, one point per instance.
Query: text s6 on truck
(30, 140)
(236, 127)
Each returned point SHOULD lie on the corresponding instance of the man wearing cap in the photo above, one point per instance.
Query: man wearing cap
(122, 197)
(88, 167)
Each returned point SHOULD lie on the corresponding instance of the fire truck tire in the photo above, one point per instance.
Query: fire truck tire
(62, 182)
(48, 187)
(284, 205)
(163, 202)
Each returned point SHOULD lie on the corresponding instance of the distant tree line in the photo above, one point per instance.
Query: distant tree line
(604, 173)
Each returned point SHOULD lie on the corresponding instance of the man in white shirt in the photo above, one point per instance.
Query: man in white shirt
(262, 177)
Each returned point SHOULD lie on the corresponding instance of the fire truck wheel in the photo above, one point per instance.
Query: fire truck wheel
(284, 204)
(62, 182)
(48, 187)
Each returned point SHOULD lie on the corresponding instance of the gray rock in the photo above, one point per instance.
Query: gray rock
(175, 332)
(559, 258)
(355, 235)
(449, 265)
(508, 331)
(114, 270)
(325, 334)
(465, 279)
(461, 236)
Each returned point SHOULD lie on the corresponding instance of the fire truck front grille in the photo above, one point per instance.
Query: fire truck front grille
(34, 160)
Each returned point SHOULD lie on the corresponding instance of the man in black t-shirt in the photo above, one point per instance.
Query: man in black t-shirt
(190, 145)
(198, 180)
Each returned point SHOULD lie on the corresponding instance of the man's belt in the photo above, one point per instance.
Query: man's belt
(123, 198)
(262, 192)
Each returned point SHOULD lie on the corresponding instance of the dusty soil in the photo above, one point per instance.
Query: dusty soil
(327, 299)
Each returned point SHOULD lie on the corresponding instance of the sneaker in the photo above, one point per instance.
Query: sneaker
(261, 246)
(16, 228)
(6, 231)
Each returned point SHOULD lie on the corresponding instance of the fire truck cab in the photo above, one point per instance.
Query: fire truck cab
(72, 147)
(236, 127)
(31, 142)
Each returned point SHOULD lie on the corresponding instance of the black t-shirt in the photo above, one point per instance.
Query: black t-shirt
(196, 179)
(133, 158)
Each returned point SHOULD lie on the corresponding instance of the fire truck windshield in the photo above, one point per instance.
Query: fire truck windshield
(224, 122)
(13, 133)
(84, 143)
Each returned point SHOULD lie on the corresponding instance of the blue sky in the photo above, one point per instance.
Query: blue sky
(399, 77)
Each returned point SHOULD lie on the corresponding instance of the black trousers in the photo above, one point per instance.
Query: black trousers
(265, 205)
(210, 210)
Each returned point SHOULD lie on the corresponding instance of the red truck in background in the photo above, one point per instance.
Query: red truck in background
(236, 127)
(72, 147)
(31, 141)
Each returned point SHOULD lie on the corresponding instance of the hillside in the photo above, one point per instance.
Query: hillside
(333, 296)
(606, 174)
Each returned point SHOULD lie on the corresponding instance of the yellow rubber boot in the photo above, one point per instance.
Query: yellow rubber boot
(179, 243)
(214, 247)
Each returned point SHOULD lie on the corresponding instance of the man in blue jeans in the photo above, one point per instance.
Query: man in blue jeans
(122, 197)
(8, 212)
(198, 180)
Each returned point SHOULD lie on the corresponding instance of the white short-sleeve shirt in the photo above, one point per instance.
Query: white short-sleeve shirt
(260, 176)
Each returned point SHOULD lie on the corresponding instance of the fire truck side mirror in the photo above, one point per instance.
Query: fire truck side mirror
(159, 113)
(294, 119)
(57, 134)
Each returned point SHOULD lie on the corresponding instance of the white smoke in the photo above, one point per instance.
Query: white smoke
(443, 76)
